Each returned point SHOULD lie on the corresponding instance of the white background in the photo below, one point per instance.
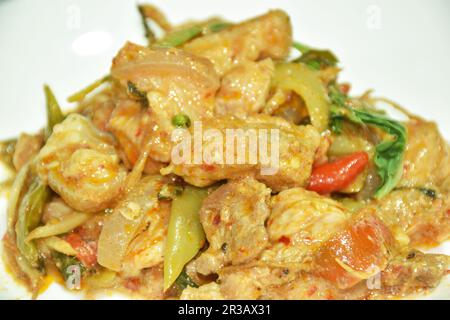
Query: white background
(399, 48)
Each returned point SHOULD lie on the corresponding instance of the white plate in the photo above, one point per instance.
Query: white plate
(399, 48)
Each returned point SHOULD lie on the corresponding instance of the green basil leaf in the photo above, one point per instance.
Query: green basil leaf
(389, 153)
(183, 281)
(388, 157)
(314, 58)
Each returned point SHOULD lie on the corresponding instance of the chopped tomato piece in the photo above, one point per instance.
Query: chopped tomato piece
(87, 250)
(358, 252)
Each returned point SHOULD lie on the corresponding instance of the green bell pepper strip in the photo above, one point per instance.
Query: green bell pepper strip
(185, 235)
(54, 113)
(28, 217)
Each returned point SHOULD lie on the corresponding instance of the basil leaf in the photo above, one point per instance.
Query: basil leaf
(64, 262)
(318, 59)
(183, 281)
(314, 58)
(139, 95)
(303, 48)
(388, 154)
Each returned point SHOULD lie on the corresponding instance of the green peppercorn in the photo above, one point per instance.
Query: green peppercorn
(181, 121)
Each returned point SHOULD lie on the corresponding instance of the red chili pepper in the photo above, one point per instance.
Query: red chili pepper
(335, 176)
(86, 251)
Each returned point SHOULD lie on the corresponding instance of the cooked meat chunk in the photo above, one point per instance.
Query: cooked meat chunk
(311, 236)
(131, 125)
(27, 147)
(308, 287)
(415, 218)
(81, 165)
(210, 291)
(244, 89)
(148, 285)
(267, 36)
(407, 273)
(299, 223)
(251, 283)
(289, 149)
(412, 271)
(100, 107)
(427, 157)
(55, 210)
(173, 82)
(233, 218)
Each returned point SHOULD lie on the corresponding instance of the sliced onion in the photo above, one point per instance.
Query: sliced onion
(66, 224)
(59, 245)
(125, 223)
(307, 84)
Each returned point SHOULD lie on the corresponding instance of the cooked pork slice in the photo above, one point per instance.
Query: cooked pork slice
(251, 282)
(233, 218)
(27, 147)
(267, 36)
(168, 82)
(132, 127)
(418, 217)
(80, 163)
(413, 271)
(270, 149)
(210, 291)
(244, 89)
(299, 223)
(427, 157)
